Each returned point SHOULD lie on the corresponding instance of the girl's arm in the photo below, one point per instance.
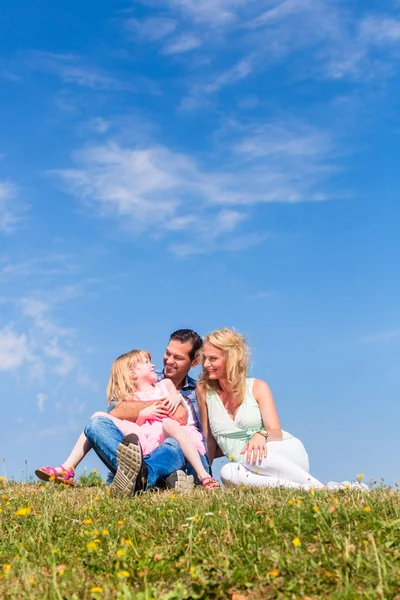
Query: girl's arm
(201, 403)
(179, 410)
(256, 447)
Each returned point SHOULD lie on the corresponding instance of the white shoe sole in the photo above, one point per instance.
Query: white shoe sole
(129, 460)
(179, 481)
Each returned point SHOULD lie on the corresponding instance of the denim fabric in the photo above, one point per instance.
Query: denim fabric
(105, 437)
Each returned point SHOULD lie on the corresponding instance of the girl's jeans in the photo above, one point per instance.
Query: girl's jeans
(104, 437)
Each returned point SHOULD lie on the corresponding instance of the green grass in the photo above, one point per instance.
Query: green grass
(237, 544)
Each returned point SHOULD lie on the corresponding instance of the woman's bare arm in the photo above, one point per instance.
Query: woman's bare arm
(201, 403)
(269, 414)
(256, 447)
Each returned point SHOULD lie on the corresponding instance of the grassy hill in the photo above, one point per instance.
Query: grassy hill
(239, 544)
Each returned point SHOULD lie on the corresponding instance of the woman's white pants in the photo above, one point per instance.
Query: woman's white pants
(286, 465)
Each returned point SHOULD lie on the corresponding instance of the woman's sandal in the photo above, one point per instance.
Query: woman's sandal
(210, 483)
(51, 474)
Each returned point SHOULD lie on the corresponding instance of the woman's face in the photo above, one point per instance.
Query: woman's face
(214, 361)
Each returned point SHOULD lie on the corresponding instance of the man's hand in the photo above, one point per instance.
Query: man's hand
(154, 412)
(255, 449)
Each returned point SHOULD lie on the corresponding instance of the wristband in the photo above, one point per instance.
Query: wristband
(265, 434)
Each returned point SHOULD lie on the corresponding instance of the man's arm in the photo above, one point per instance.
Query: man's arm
(130, 409)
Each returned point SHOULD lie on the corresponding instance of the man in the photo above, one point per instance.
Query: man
(166, 464)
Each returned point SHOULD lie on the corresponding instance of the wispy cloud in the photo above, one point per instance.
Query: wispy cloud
(182, 44)
(151, 29)
(383, 336)
(41, 398)
(158, 190)
(14, 349)
(10, 211)
(72, 69)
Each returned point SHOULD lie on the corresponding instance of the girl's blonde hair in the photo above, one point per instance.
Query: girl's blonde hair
(236, 352)
(122, 385)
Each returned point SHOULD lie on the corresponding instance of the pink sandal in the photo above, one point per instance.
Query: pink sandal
(210, 483)
(50, 474)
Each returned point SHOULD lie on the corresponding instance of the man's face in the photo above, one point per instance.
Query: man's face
(177, 361)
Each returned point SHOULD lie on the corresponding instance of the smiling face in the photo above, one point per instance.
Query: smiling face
(177, 361)
(214, 362)
(143, 372)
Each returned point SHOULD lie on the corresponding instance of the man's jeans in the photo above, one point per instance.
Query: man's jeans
(104, 437)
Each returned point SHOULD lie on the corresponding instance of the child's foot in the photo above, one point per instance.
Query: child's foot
(210, 483)
(57, 474)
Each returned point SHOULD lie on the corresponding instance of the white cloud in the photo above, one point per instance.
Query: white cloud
(14, 349)
(157, 190)
(182, 44)
(211, 12)
(151, 29)
(71, 70)
(380, 30)
(383, 336)
(40, 401)
(9, 213)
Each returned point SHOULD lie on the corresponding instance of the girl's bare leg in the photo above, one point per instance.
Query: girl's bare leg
(173, 429)
(82, 447)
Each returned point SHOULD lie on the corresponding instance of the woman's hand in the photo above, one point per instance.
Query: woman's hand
(154, 412)
(255, 449)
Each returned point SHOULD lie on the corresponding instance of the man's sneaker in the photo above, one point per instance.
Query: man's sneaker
(131, 472)
(180, 481)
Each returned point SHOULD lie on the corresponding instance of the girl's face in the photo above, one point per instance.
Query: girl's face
(214, 361)
(144, 371)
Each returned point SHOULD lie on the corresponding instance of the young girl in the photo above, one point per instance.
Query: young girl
(133, 378)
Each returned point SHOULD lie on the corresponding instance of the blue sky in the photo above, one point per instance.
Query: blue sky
(176, 163)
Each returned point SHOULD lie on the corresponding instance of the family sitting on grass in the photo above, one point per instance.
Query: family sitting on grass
(165, 430)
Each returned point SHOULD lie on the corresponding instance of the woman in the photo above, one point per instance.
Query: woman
(238, 414)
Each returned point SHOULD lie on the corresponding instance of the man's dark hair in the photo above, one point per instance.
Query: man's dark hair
(188, 335)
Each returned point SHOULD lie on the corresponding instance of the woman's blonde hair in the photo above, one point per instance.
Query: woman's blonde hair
(122, 385)
(236, 352)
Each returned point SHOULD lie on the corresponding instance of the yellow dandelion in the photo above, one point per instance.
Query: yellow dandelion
(120, 523)
(316, 508)
(96, 498)
(55, 550)
(90, 507)
(91, 546)
(365, 542)
(347, 486)
(87, 521)
(105, 532)
(298, 501)
(96, 590)
(312, 491)
(4, 497)
(122, 574)
(95, 471)
(296, 542)
(97, 541)
(23, 512)
(360, 476)
(51, 478)
(6, 568)
(290, 502)
(127, 542)
(367, 509)
(31, 580)
(121, 552)
(1, 510)
(173, 496)
(274, 572)
(95, 532)
(3, 479)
